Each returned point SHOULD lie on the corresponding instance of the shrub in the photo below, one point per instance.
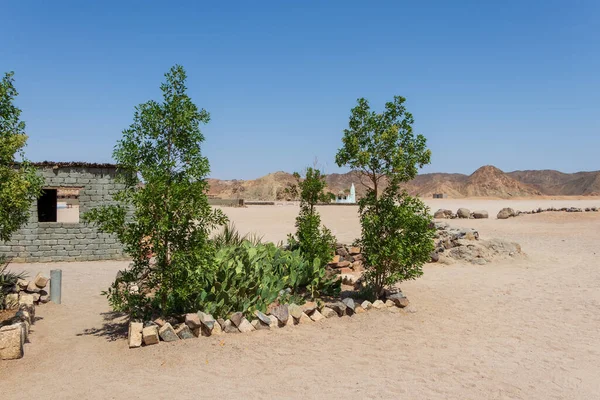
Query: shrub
(314, 241)
(396, 235)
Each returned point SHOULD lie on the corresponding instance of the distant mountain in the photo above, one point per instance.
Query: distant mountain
(487, 181)
(552, 182)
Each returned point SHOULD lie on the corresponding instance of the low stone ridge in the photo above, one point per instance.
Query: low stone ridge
(506, 213)
(456, 244)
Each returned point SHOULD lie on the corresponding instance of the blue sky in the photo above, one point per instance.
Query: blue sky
(515, 84)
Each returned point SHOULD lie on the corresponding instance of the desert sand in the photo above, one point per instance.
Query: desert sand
(526, 329)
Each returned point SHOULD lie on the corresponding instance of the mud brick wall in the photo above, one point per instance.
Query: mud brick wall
(66, 241)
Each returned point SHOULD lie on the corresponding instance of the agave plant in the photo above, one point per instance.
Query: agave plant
(8, 280)
(230, 236)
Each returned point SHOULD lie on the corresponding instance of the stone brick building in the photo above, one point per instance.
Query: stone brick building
(54, 231)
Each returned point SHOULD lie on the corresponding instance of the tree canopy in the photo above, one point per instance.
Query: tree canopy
(19, 183)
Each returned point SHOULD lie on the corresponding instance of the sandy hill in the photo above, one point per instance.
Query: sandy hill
(268, 187)
(487, 181)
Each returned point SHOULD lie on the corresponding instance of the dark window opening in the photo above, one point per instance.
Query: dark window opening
(47, 205)
(59, 205)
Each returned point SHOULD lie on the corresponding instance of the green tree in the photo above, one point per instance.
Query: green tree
(396, 234)
(315, 242)
(19, 183)
(162, 215)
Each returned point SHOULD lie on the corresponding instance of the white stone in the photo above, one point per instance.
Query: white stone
(245, 326)
(150, 335)
(378, 304)
(317, 316)
(304, 319)
(135, 334)
(11, 342)
(274, 322)
(367, 305)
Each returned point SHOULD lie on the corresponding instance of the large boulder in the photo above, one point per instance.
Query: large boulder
(463, 213)
(506, 213)
(480, 214)
(442, 214)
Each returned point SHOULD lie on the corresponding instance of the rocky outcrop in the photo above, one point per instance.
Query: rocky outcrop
(464, 244)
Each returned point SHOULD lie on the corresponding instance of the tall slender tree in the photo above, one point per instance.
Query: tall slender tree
(163, 209)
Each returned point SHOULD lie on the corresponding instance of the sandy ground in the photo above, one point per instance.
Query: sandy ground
(526, 329)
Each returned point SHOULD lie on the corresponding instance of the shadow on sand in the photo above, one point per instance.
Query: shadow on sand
(114, 327)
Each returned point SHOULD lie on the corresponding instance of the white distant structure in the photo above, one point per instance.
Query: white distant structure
(347, 199)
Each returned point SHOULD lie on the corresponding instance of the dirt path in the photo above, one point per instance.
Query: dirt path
(521, 330)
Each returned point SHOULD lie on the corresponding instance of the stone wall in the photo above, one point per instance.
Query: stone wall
(68, 241)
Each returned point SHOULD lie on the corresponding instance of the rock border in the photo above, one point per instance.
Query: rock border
(200, 324)
(14, 333)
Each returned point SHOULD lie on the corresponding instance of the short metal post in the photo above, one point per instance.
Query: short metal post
(55, 285)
